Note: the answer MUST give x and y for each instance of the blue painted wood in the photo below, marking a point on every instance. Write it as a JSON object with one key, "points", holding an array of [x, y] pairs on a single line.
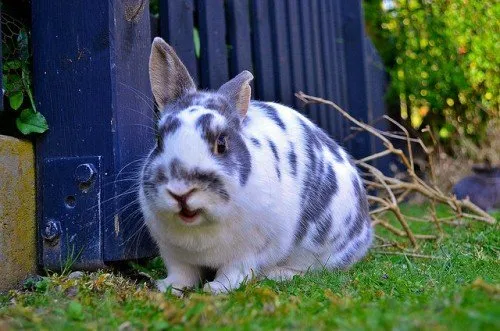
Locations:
{"points": [[307, 56], [91, 83], [176, 28], [238, 29], [377, 85], [214, 63], [263, 51], [341, 75], [318, 62], [296, 54], [327, 60], [279, 27], [356, 79], [155, 26]]}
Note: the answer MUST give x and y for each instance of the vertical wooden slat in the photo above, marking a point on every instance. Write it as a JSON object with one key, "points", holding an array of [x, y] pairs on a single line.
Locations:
{"points": [[376, 86], [279, 23], [214, 62], [318, 61], [308, 59], [342, 124], [176, 26], [333, 79], [328, 61], [155, 26], [296, 54], [357, 94], [238, 29], [263, 51]]}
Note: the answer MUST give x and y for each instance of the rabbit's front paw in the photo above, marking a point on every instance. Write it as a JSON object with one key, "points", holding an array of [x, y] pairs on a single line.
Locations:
{"points": [[217, 287], [177, 286]]}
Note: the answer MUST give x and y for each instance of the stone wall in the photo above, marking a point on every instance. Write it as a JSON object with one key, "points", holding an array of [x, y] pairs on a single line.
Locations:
{"points": [[17, 212]]}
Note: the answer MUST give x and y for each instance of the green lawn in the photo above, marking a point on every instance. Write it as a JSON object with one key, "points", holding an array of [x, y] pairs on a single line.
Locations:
{"points": [[459, 289]]}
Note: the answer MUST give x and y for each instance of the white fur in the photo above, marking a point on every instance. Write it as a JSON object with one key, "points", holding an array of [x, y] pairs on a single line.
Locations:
{"points": [[253, 233]]}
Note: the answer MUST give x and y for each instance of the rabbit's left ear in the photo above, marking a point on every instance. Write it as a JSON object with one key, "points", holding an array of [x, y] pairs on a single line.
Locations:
{"points": [[238, 91]]}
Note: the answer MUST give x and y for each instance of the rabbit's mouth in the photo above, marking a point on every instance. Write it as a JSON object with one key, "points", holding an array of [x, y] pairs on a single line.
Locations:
{"points": [[188, 215]]}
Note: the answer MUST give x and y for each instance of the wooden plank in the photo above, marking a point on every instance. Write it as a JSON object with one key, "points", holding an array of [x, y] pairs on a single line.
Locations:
{"points": [[176, 27], [341, 75], [377, 82], [155, 26], [90, 78], [263, 51], [214, 57], [318, 61], [357, 94], [331, 75], [308, 58], [296, 54], [279, 21], [238, 29], [327, 65]]}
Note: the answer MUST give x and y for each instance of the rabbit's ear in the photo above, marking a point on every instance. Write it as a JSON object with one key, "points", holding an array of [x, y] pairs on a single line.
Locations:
{"points": [[169, 78], [238, 91]]}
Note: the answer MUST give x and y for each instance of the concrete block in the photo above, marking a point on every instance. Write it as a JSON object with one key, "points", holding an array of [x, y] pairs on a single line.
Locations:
{"points": [[17, 212]]}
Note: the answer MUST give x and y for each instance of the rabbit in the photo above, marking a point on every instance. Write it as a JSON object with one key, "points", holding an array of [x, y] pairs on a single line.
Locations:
{"points": [[245, 188], [482, 188]]}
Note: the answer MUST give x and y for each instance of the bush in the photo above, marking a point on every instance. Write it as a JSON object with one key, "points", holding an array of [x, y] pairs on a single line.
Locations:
{"points": [[442, 57]]}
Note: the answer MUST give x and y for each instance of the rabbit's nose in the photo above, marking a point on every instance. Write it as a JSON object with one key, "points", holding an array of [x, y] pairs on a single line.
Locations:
{"points": [[181, 198]]}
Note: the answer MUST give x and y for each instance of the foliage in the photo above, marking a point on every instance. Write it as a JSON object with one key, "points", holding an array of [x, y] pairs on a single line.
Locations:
{"points": [[17, 78], [442, 56], [458, 289]]}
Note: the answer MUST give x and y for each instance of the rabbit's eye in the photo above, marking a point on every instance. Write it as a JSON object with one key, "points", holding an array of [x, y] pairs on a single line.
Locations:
{"points": [[220, 146]]}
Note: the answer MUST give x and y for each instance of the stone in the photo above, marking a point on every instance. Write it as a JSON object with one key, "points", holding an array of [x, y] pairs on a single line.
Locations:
{"points": [[75, 275], [17, 212]]}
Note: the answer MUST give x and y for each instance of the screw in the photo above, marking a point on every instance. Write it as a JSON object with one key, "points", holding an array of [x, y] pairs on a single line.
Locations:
{"points": [[85, 173], [52, 231]]}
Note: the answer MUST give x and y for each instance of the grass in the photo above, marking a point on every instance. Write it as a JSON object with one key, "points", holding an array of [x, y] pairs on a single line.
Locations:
{"points": [[459, 289]]}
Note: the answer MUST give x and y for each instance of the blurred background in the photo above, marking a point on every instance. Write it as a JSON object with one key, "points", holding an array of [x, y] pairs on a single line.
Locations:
{"points": [[443, 60]]}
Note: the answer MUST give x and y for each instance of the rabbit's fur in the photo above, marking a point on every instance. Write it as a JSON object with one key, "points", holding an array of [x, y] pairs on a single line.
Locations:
{"points": [[243, 187], [482, 188]]}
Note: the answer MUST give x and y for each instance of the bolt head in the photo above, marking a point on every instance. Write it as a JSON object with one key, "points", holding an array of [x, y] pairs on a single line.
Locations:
{"points": [[85, 173], [52, 230]]}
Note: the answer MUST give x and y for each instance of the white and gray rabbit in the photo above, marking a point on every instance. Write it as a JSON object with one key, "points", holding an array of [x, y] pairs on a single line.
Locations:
{"points": [[247, 188]]}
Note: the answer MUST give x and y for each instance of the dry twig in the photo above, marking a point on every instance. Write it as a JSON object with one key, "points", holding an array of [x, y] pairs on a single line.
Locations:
{"points": [[392, 191]]}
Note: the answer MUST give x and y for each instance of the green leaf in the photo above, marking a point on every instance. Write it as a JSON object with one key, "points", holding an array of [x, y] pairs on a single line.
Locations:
{"points": [[16, 100], [13, 64], [30, 121]]}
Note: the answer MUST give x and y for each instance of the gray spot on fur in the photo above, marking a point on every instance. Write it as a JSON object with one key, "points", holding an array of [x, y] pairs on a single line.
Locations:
{"points": [[210, 180], [292, 160], [255, 141], [170, 125], [274, 149], [272, 113], [361, 218], [320, 185], [323, 227]]}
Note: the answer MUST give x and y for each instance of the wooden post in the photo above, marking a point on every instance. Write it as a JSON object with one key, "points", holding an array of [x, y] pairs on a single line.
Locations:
{"points": [[91, 83]]}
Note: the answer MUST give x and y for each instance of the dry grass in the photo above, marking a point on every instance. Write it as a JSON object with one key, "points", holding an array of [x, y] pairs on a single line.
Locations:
{"points": [[450, 169]]}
